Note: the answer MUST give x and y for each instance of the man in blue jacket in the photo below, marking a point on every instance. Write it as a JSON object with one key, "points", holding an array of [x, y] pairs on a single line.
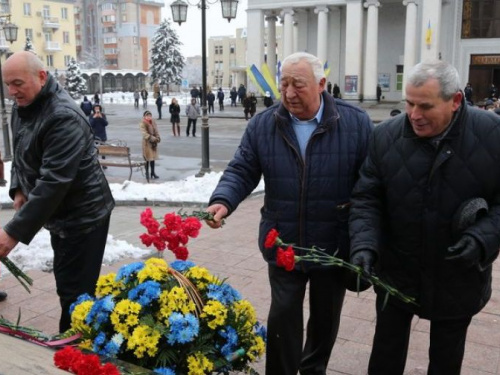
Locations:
{"points": [[309, 150]]}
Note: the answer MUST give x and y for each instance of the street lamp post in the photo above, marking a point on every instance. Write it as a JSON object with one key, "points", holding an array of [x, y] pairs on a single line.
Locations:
{"points": [[10, 31], [179, 14]]}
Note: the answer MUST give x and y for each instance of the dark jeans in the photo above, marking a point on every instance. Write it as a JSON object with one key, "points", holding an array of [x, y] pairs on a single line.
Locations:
{"points": [[77, 263], [191, 121], [285, 354], [392, 335], [210, 107], [159, 111]]}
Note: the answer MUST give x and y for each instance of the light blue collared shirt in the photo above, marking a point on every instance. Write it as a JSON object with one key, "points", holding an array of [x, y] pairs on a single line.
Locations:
{"points": [[304, 129]]}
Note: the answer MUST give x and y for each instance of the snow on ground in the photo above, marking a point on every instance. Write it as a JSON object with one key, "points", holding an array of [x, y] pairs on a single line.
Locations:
{"points": [[191, 189]]}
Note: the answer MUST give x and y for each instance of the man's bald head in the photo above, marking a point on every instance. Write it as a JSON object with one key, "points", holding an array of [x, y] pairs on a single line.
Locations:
{"points": [[25, 75]]}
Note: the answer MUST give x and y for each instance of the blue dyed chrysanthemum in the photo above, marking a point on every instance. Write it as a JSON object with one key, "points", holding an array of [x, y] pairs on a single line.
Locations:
{"points": [[183, 328], [99, 314], [80, 299], [164, 371], [127, 270], [224, 293], [145, 293], [181, 265], [231, 336]]}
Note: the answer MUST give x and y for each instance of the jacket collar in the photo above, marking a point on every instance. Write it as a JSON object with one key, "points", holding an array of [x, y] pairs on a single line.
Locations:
{"points": [[31, 110]]}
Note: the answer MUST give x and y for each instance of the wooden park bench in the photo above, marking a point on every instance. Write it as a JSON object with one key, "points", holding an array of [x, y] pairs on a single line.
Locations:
{"points": [[117, 154]]}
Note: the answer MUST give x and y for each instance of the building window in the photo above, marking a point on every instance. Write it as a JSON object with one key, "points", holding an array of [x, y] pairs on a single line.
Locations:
{"points": [[27, 9], [28, 33], [481, 19], [67, 59], [110, 40], [109, 18], [46, 11], [218, 50], [134, 39], [232, 48], [107, 6], [124, 18], [64, 13], [399, 77], [50, 60], [66, 37]]}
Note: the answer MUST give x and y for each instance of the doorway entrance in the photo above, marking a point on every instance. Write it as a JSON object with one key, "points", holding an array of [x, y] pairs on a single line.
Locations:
{"points": [[483, 71]]}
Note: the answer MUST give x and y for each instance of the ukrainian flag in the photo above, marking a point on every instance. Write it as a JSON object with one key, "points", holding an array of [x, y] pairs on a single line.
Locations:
{"points": [[261, 82], [266, 73], [428, 35], [326, 68]]}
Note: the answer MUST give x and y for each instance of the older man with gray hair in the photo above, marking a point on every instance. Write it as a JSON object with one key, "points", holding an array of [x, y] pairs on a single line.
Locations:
{"points": [[426, 215]]}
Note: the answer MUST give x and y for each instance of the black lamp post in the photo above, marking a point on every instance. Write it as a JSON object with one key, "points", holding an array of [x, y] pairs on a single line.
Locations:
{"points": [[179, 14], [10, 31]]}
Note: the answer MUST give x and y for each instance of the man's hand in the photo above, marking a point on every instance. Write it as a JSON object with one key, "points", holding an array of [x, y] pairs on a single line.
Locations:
{"points": [[19, 200], [219, 211], [467, 252], [364, 259], [7, 243]]}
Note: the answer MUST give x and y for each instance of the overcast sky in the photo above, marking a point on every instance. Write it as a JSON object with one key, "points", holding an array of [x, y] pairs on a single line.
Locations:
{"points": [[190, 31]]}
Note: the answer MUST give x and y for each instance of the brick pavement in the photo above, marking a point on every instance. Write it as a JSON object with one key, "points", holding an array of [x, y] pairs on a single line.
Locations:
{"points": [[231, 252]]}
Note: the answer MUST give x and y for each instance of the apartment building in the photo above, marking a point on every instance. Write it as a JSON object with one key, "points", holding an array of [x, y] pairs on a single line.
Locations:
{"points": [[50, 26]]}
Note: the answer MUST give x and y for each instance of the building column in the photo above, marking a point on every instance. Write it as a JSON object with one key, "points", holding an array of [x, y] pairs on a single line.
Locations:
{"points": [[410, 37], [322, 45], [431, 16], [295, 36], [287, 14], [271, 44], [353, 49], [255, 41], [370, 75]]}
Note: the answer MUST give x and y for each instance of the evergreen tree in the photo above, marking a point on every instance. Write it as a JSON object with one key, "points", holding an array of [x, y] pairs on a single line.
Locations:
{"points": [[29, 46], [166, 59], [75, 83]]}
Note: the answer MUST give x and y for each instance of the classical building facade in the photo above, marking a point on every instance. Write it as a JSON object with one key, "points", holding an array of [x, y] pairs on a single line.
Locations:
{"points": [[370, 42]]}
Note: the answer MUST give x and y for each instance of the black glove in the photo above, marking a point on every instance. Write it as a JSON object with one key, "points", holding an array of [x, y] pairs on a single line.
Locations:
{"points": [[364, 259], [467, 252]]}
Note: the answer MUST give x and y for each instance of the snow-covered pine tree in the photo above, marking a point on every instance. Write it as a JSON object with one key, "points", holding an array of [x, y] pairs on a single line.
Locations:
{"points": [[166, 59], [29, 46], [75, 83]]}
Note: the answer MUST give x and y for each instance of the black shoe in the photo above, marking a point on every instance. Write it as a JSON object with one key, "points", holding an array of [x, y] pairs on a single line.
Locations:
{"points": [[154, 177], [194, 135], [187, 135], [3, 296]]}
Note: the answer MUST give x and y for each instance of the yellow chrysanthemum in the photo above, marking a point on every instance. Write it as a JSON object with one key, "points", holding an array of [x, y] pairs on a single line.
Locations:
{"points": [[201, 277], [175, 299], [154, 269], [245, 312], [198, 364], [257, 350], [79, 315], [86, 345], [125, 316], [215, 313], [107, 285], [144, 340]]}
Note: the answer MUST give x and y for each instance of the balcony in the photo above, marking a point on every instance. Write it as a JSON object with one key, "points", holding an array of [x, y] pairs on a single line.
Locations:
{"points": [[51, 23], [51, 46]]}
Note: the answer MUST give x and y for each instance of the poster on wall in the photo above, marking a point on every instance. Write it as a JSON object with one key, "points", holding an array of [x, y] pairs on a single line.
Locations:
{"points": [[351, 84], [384, 80]]}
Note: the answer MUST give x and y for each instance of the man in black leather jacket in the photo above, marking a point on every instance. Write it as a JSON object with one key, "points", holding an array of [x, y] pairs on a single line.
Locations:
{"points": [[56, 180]]}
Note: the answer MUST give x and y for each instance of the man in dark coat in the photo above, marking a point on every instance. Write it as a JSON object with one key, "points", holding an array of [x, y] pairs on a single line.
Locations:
{"points": [[56, 181], [309, 150], [421, 168]]}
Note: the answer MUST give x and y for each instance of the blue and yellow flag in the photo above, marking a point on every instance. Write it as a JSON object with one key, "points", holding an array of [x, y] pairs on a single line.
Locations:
{"points": [[270, 81], [261, 82], [428, 35], [326, 68]]}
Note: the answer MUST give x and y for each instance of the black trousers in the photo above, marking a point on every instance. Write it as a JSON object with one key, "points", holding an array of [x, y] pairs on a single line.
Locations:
{"points": [[159, 111], [286, 354], [392, 335], [191, 121], [77, 263]]}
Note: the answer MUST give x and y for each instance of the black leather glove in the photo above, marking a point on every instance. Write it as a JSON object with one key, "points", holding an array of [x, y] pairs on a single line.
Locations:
{"points": [[364, 259], [467, 252]]}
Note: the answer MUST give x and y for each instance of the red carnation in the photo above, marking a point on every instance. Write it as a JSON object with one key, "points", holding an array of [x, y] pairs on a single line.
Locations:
{"points": [[191, 226], [181, 253], [182, 237], [146, 215], [109, 369], [159, 243], [65, 357], [172, 221], [272, 239], [146, 239], [286, 258]]}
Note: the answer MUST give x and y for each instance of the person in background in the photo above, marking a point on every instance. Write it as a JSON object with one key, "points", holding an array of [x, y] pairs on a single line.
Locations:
{"points": [[195, 93], [468, 93], [144, 96], [308, 151], [159, 104], [329, 87], [336, 91], [86, 106], [150, 140], [250, 105], [379, 93], [493, 92], [242, 93], [192, 113], [210, 101], [175, 111], [220, 97], [56, 181], [136, 99], [96, 98], [268, 101], [425, 213], [233, 95], [98, 122]]}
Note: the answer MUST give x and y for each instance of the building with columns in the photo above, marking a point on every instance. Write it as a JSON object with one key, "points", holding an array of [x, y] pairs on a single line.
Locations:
{"points": [[370, 42]]}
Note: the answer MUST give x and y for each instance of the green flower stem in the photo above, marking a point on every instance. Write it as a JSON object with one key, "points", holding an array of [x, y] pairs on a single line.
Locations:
{"points": [[200, 215], [18, 273], [319, 256]]}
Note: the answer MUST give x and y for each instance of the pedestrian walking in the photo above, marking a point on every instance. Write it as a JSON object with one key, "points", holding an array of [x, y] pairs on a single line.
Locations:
{"points": [[86, 106], [210, 101], [159, 104], [150, 140], [144, 96], [220, 97], [136, 99], [192, 113], [175, 111], [233, 94]]}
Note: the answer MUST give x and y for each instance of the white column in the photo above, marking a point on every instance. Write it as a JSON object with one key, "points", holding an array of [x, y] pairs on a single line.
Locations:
{"points": [[353, 47], [410, 38], [271, 44], [322, 46], [287, 15], [370, 75], [431, 14], [295, 36], [255, 41]]}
